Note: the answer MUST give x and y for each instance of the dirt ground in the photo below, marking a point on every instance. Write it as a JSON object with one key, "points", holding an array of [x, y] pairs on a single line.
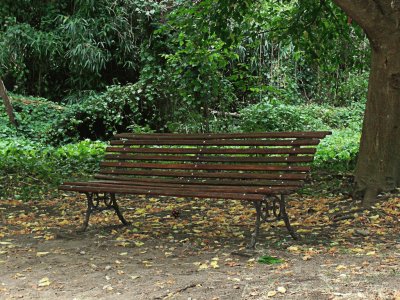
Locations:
{"points": [[195, 249]]}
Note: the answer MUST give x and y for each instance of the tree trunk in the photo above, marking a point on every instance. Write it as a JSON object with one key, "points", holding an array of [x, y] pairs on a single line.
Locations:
{"points": [[7, 104], [378, 165]]}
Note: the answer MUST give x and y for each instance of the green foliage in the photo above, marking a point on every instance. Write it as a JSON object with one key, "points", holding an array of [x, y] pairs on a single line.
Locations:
{"points": [[269, 260], [99, 116], [72, 46], [178, 66], [35, 116], [277, 116], [27, 167], [339, 151]]}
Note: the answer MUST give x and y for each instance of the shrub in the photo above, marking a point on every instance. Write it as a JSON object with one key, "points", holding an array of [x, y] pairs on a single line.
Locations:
{"points": [[99, 116], [277, 116], [28, 167], [35, 116], [339, 151]]}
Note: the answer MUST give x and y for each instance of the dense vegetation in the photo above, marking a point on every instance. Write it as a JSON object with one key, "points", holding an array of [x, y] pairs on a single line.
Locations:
{"points": [[105, 66]]}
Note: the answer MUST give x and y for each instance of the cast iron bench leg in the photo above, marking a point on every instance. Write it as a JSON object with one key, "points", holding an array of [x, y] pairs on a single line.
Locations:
{"points": [[255, 234], [109, 203], [89, 210], [116, 209], [285, 217]]}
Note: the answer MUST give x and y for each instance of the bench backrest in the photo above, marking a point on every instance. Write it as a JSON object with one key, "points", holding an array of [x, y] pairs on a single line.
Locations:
{"points": [[248, 159]]}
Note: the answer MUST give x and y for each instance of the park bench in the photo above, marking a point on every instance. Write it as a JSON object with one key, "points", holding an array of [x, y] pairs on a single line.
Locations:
{"points": [[258, 167]]}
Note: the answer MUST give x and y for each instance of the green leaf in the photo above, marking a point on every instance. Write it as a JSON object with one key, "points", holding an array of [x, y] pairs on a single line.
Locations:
{"points": [[269, 260]]}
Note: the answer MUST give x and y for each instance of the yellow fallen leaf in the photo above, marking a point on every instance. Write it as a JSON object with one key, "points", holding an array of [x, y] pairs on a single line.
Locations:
{"points": [[281, 289], [341, 267], [108, 287], [214, 264], [357, 250], [306, 257], [271, 293], [39, 254], [303, 230], [293, 249], [203, 267], [139, 244], [371, 253], [44, 282], [140, 211], [63, 222]]}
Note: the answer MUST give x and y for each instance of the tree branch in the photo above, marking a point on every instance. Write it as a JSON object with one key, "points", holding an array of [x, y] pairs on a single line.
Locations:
{"points": [[372, 15], [7, 104]]}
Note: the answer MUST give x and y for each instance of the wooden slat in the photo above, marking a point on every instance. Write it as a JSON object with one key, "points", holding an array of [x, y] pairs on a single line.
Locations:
{"points": [[205, 136], [217, 167], [185, 187], [167, 192], [236, 175], [244, 151], [233, 159], [146, 181], [176, 142]]}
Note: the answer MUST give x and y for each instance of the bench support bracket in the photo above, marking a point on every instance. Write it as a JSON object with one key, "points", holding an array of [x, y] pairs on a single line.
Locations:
{"points": [[271, 209], [97, 202]]}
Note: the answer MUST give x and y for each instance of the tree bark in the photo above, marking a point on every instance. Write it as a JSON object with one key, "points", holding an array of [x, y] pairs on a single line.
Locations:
{"points": [[378, 165], [7, 104]]}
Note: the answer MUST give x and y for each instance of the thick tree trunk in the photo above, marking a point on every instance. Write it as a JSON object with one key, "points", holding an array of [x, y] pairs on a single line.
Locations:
{"points": [[378, 165]]}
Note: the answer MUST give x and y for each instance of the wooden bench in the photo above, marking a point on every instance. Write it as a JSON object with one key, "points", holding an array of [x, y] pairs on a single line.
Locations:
{"points": [[257, 167]]}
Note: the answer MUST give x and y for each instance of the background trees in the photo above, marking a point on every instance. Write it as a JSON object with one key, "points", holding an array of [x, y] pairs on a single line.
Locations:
{"points": [[185, 66]]}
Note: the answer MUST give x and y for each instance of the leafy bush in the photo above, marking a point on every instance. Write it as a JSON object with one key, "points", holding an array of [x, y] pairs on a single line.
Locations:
{"points": [[277, 116], [35, 116], [339, 151], [27, 166], [99, 116]]}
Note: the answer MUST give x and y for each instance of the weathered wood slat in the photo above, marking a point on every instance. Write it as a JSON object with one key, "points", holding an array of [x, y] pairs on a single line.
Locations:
{"points": [[231, 159], [199, 182], [257, 135], [190, 166], [166, 192], [194, 174], [176, 142], [185, 187], [243, 151]]}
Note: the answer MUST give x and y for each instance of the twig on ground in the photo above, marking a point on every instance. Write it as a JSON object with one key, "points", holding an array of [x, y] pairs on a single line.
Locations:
{"points": [[171, 294]]}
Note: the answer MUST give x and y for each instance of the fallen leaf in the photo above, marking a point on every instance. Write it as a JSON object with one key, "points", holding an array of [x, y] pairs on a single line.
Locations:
{"points": [[293, 249], [39, 254], [139, 244], [44, 282], [281, 289], [271, 293], [203, 267], [269, 260], [214, 264], [341, 267]]}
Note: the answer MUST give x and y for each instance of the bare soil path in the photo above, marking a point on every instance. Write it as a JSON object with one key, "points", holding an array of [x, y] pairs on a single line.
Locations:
{"points": [[194, 249]]}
